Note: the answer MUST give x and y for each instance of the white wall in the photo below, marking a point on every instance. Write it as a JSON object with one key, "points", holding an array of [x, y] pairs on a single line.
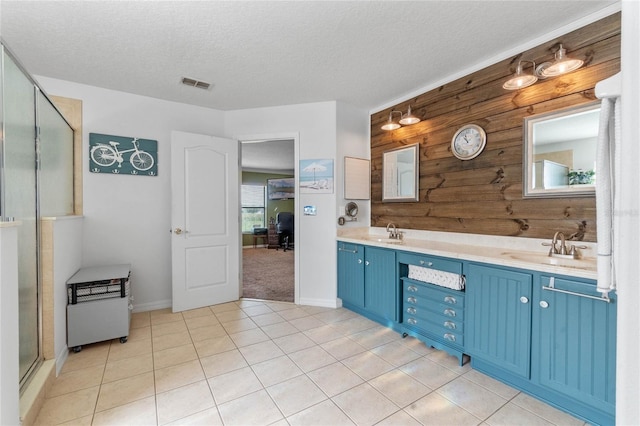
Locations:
{"points": [[9, 362], [352, 141], [315, 127], [67, 259], [127, 218], [627, 372]]}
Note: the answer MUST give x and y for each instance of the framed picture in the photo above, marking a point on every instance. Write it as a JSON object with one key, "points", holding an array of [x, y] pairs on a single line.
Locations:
{"points": [[281, 189], [316, 176], [122, 155]]}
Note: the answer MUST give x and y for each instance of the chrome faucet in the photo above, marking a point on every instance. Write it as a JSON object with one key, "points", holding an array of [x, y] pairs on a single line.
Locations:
{"points": [[394, 234]]}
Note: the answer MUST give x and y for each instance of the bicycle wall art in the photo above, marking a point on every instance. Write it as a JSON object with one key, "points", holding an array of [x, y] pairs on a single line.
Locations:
{"points": [[120, 155]]}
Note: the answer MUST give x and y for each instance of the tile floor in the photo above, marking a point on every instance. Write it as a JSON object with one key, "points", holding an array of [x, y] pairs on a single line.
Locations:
{"points": [[259, 363]]}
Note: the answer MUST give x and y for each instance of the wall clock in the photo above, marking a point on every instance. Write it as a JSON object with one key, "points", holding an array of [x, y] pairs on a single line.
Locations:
{"points": [[468, 142]]}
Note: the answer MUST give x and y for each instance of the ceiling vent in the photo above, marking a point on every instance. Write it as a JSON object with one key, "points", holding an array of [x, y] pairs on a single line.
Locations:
{"points": [[195, 83]]}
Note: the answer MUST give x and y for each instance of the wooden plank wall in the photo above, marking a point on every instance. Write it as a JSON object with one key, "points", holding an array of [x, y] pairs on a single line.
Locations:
{"points": [[484, 195]]}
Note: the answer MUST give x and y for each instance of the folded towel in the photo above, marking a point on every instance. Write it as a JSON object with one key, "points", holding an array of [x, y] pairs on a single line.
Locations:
{"points": [[433, 276]]}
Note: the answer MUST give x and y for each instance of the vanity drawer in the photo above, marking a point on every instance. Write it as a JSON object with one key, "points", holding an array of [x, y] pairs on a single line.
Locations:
{"points": [[437, 319], [433, 292], [448, 334], [434, 307], [432, 262]]}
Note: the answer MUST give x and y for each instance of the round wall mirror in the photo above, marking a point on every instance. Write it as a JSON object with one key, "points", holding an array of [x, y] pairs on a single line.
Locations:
{"points": [[351, 209]]}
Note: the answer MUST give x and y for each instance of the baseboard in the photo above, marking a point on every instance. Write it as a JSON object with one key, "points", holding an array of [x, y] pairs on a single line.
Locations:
{"points": [[61, 358], [325, 303], [152, 306]]}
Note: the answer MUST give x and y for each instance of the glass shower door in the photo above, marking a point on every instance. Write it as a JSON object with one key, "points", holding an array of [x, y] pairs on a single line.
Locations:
{"points": [[19, 201]]}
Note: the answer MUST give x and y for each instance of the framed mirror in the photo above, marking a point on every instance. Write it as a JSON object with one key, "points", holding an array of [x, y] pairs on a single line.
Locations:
{"points": [[400, 173], [560, 152]]}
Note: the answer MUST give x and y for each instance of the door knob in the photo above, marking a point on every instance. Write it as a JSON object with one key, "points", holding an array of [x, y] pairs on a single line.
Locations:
{"points": [[178, 231]]}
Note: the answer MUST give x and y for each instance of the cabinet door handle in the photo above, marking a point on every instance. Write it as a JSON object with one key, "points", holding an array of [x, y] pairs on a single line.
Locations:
{"points": [[411, 310], [450, 325], [544, 304], [450, 337], [411, 299], [366, 262], [450, 299], [412, 321], [359, 261], [449, 312], [524, 299], [412, 289], [422, 262]]}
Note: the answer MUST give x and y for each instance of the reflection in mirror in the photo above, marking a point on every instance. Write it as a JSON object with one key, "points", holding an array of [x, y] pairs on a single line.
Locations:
{"points": [[400, 170], [560, 152]]}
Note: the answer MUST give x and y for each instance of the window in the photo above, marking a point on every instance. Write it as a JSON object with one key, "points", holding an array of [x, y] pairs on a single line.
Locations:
{"points": [[253, 207]]}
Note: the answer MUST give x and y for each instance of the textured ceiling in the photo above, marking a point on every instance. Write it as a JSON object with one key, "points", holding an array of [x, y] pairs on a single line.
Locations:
{"points": [[267, 53]]}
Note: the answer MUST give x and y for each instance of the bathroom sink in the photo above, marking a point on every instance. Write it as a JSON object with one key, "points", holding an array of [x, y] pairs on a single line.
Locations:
{"points": [[384, 240], [544, 258]]}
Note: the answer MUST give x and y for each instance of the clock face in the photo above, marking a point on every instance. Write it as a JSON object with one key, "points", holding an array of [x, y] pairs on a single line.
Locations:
{"points": [[468, 142]]}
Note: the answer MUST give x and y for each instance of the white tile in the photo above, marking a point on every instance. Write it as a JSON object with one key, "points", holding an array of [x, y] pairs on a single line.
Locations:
{"points": [[276, 370], [505, 391], [208, 417], [260, 352], [376, 408], [254, 409], [477, 400], [295, 395], [399, 418], [395, 353], [428, 373], [367, 365], [335, 378], [141, 412], [229, 386], [255, 310], [511, 414], [324, 413], [249, 337], [342, 348], [312, 358], [279, 329], [545, 411], [322, 334], [376, 336], [222, 363], [237, 326], [184, 401], [294, 313], [294, 342], [267, 319], [399, 388], [306, 323], [434, 409]]}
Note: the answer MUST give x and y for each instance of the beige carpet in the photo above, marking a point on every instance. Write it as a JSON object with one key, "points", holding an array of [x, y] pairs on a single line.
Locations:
{"points": [[267, 274]]}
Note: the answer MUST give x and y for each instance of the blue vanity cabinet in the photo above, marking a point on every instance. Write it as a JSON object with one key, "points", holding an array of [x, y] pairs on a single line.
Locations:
{"points": [[351, 274], [367, 281], [498, 319], [574, 350]]}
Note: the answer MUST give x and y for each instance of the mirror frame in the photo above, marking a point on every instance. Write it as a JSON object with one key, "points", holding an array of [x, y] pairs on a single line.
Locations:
{"points": [[528, 191], [387, 161]]}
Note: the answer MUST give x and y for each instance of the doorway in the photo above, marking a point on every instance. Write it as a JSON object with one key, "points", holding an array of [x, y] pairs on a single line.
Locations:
{"points": [[268, 197]]}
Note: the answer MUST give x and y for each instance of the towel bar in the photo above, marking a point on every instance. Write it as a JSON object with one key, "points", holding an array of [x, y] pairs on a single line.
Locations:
{"points": [[601, 298]]}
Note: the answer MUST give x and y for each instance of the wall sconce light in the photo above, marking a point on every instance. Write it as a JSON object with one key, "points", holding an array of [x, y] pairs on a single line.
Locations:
{"points": [[405, 120], [521, 79], [561, 65]]}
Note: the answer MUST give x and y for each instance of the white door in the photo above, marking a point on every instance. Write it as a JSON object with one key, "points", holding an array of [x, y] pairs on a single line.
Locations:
{"points": [[205, 228]]}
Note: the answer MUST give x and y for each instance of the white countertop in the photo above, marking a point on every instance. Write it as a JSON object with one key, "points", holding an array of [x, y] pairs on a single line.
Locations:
{"points": [[525, 253]]}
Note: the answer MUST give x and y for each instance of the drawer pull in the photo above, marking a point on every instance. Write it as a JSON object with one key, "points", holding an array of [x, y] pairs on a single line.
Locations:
{"points": [[412, 321], [450, 325], [412, 299], [411, 310], [450, 337], [449, 312], [450, 299], [422, 262], [412, 289]]}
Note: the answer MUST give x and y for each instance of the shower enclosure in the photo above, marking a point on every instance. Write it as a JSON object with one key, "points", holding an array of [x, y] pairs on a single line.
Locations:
{"points": [[36, 179]]}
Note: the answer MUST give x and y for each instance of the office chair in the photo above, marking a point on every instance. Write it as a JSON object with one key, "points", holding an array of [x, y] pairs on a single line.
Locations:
{"points": [[284, 228]]}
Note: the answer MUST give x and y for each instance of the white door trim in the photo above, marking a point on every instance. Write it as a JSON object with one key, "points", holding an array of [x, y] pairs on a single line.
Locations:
{"points": [[296, 217]]}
